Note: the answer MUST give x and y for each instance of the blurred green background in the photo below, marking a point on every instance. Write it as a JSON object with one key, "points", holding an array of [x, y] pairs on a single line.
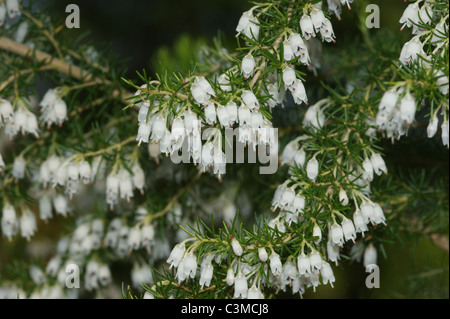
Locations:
{"points": [[160, 35]]}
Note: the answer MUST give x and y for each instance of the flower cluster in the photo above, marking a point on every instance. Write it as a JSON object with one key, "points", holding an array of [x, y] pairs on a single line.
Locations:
{"points": [[12, 223], [397, 107], [120, 182], [18, 119], [53, 109]]}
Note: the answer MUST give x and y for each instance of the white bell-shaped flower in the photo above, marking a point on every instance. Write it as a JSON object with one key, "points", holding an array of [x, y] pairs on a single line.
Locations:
{"points": [[248, 65], [6, 111], [143, 134], [298, 92], [224, 82], [275, 264], [410, 16], [315, 261], [289, 77], [360, 222], [307, 27], [9, 221], [349, 230], [327, 274], [378, 164], [288, 53], [249, 99], [248, 25], [304, 265], [337, 234], [210, 113], [240, 286], [232, 111]]}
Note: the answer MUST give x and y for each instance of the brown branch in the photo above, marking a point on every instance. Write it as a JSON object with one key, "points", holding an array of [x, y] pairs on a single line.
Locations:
{"points": [[59, 65]]}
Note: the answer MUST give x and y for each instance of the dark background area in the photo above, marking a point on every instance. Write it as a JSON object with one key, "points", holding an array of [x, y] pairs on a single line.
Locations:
{"points": [[135, 29]]}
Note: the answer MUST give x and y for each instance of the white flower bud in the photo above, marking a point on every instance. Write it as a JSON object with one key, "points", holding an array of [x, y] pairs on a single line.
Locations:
{"points": [[45, 208], [317, 232], [343, 198], [237, 248], [230, 276], [370, 255], [262, 254], [312, 169], [19, 166], [408, 108]]}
